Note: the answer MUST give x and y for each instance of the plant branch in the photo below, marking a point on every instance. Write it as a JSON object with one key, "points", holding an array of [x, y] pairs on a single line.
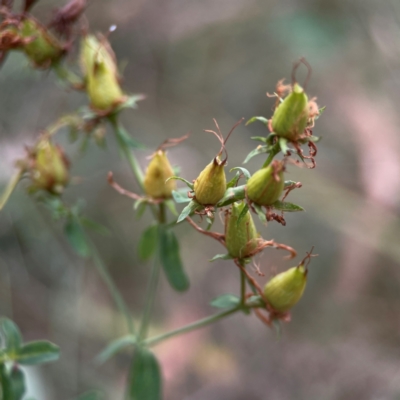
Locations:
{"points": [[187, 328]]}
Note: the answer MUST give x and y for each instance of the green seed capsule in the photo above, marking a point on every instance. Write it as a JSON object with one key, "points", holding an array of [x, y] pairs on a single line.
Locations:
{"points": [[241, 239], [49, 170], [291, 116], [98, 64], [284, 290], [266, 185], [45, 49], [158, 171], [210, 185]]}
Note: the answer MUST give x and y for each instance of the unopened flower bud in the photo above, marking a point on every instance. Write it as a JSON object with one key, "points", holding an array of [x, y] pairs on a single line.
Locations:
{"points": [[266, 185], [291, 116], [284, 290], [98, 64], [241, 239], [42, 48], [210, 185], [158, 171], [49, 167]]}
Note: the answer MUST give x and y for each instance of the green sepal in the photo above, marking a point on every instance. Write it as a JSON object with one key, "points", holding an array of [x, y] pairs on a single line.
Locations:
{"points": [[178, 178], [260, 119], [221, 257], [289, 183], [225, 301], [114, 347], [242, 214], [171, 261], [39, 352], [231, 195], [180, 197], [283, 145], [145, 377], [188, 210], [148, 242], [287, 207]]}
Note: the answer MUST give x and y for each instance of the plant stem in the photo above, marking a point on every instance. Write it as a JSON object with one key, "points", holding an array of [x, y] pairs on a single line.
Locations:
{"points": [[120, 133], [275, 150], [242, 288], [115, 293], [187, 328], [10, 188]]}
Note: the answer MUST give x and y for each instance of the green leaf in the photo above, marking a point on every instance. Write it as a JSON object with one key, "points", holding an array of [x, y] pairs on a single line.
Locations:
{"points": [[76, 236], [259, 138], [221, 257], [285, 206], [225, 301], [260, 212], [17, 380], [244, 171], [254, 119], [114, 347], [231, 195], [188, 210], [6, 385], [11, 335], [171, 261], [38, 352], [180, 197], [148, 243], [178, 178], [145, 377], [255, 152], [233, 181]]}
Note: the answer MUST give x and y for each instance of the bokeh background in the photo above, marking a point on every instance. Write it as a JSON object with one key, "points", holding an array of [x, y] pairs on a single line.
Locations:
{"points": [[198, 60]]}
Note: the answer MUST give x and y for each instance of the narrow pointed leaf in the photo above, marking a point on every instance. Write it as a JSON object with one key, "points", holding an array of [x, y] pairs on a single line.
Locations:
{"points": [[283, 145], [260, 119], [188, 210], [242, 214], [255, 152], [259, 138], [38, 352], [171, 261], [260, 212], [233, 181], [145, 377], [114, 347], [285, 206], [232, 195], [11, 335], [178, 178], [180, 197], [148, 243], [225, 301], [244, 171]]}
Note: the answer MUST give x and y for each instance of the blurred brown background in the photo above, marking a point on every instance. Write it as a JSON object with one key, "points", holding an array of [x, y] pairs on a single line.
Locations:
{"points": [[196, 60]]}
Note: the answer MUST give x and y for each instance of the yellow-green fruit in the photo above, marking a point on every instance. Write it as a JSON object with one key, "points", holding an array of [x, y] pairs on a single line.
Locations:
{"points": [[50, 168], [45, 49], [241, 239], [158, 171], [210, 185], [263, 188], [291, 116], [284, 290], [98, 65]]}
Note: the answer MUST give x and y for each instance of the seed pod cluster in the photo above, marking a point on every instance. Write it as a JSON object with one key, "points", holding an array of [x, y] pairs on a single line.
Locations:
{"points": [[241, 238], [158, 171]]}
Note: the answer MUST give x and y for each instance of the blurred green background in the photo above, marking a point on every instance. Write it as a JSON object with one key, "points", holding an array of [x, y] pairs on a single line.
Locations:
{"points": [[198, 60]]}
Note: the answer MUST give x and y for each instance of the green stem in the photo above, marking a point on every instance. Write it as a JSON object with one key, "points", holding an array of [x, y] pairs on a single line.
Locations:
{"points": [[115, 293], [120, 133], [242, 288], [275, 150], [10, 188], [66, 75], [187, 328]]}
